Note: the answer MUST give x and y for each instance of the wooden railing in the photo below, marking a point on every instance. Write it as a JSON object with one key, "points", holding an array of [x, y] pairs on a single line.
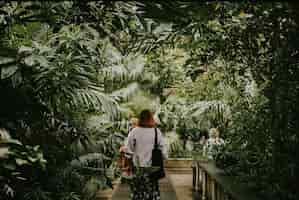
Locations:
{"points": [[211, 183]]}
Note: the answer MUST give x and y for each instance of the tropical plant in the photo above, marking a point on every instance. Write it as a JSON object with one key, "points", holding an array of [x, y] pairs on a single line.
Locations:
{"points": [[66, 71], [15, 160], [66, 66], [176, 150]]}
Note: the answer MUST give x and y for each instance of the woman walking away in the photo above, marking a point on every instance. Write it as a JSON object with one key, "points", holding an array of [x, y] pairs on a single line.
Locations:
{"points": [[141, 141]]}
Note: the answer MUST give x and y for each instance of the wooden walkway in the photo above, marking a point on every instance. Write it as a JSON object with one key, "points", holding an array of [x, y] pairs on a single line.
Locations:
{"points": [[122, 191]]}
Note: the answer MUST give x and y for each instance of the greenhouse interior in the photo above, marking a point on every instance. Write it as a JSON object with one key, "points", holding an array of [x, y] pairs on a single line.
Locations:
{"points": [[92, 92]]}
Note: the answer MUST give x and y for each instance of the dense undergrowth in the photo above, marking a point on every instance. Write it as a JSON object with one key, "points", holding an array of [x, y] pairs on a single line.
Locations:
{"points": [[73, 73]]}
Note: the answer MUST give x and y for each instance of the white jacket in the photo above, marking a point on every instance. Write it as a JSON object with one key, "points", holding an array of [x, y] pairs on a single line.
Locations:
{"points": [[141, 143]]}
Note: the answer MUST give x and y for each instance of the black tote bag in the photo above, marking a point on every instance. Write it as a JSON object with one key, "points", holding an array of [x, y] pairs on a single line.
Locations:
{"points": [[157, 160]]}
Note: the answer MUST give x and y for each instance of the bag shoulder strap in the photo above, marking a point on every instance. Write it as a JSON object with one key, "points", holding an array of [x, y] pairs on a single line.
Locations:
{"points": [[156, 139]]}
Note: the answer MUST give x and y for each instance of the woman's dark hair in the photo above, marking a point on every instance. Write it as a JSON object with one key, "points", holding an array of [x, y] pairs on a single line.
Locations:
{"points": [[146, 119]]}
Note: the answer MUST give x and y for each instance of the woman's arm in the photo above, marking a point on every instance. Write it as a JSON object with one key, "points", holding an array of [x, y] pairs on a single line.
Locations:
{"points": [[130, 143], [162, 144]]}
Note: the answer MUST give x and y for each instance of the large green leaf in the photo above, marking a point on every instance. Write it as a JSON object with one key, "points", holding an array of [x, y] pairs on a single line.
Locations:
{"points": [[7, 72]]}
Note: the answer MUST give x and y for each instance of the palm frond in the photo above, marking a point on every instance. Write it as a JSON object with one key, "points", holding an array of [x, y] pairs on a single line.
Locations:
{"points": [[90, 163], [202, 107], [93, 97], [125, 93], [70, 196], [119, 67], [217, 113], [64, 71], [135, 64], [103, 123]]}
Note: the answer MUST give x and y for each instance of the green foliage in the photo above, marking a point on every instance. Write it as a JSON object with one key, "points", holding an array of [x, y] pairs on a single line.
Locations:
{"points": [[66, 66], [177, 112], [62, 73], [70, 196], [165, 65], [140, 101], [244, 149], [67, 59], [241, 54], [16, 158], [176, 150], [38, 193]]}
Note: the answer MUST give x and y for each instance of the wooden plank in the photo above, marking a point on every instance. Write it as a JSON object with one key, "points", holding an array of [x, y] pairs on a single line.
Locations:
{"points": [[122, 192]]}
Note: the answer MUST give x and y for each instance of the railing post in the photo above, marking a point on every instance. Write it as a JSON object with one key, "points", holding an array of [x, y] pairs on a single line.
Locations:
{"points": [[204, 184], [194, 175], [213, 190], [199, 178], [209, 187], [218, 192]]}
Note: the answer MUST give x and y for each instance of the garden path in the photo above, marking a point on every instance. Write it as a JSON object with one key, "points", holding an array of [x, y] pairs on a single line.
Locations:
{"points": [[122, 191], [177, 185]]}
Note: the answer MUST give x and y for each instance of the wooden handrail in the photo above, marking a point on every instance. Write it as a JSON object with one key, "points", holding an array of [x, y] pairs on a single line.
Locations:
{"points": [[213, 184]]}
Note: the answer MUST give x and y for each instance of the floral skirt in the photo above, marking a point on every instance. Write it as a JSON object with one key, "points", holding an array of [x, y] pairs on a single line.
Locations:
{"points": [[143, 188]]}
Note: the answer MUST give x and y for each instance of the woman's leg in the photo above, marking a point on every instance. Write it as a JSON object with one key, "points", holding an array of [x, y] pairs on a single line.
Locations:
{"points": [[155, 190], [143, 188]]}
